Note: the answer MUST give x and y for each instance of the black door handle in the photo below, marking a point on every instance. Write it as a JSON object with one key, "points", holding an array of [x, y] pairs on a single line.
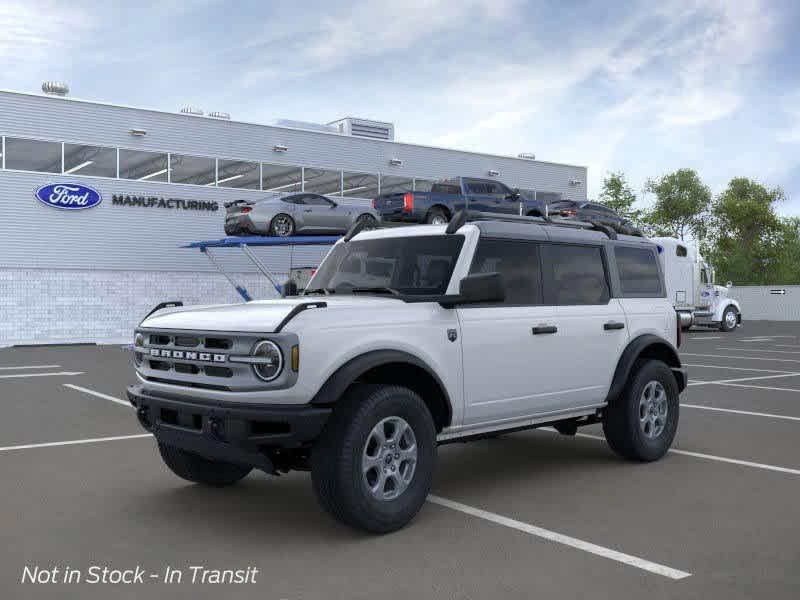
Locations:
{"points": [[613, 325], [539, 329]]}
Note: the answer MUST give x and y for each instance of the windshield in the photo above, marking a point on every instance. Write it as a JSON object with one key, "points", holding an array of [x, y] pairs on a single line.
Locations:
{"points": [[399, 265]]}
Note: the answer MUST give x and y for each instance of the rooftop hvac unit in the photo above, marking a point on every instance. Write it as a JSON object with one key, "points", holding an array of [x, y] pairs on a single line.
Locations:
{"points": [[291, 123], [527, 155], [217, 114], [192, 110], [376, 130], [55, 88]]}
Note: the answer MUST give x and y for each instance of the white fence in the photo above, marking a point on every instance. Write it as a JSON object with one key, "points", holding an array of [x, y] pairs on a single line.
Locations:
{"points": [[768, 302]]}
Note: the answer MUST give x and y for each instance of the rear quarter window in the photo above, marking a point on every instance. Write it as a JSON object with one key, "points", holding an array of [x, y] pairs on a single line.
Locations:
{"points": [[638, 272]]}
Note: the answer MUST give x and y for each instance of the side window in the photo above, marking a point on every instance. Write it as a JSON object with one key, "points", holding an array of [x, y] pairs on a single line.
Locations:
{"points": [[316, 201], [680, 251], [476, 188], [578, 274], [638, 272], [703, 276], [294, 199], [518, 263]]}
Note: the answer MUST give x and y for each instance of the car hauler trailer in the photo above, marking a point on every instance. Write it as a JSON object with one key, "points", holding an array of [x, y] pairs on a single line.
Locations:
{"points": [[691, 287]]}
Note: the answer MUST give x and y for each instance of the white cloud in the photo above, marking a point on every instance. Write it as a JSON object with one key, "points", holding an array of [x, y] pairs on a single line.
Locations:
{"points": [[31, 34]]}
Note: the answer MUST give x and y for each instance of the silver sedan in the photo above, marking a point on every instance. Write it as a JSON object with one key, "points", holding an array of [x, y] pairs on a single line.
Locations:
{"points": [[285, 215]]}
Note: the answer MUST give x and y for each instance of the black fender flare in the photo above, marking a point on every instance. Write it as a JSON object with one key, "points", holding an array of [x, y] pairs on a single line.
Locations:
{"points": [[349, 372], [653, 346]]}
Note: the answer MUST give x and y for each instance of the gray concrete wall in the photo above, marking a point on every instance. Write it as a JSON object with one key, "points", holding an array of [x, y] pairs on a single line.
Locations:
{"points": [[765, 303]]}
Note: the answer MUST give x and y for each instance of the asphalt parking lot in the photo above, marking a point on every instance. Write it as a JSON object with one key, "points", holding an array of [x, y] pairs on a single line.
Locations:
{"points": [[531, 514]]}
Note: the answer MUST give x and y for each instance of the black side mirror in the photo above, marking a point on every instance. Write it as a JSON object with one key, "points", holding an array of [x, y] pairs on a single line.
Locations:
{"points": [[289, 288], [482, 287], [514, 195], [333, 204]]}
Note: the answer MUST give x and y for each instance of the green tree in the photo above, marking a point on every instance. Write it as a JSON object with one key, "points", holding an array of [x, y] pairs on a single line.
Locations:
{"points": [[618, 196], [749, 242], [681, 205]]}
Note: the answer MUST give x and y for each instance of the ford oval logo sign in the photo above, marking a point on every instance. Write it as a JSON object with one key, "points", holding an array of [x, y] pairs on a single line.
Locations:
{"points": [[68, 196]]}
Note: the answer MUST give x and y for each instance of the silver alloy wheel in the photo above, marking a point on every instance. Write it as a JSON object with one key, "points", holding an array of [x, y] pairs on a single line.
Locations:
{"points": [[653, 409], [389, 458], [730, 319], [438, 220], [282, 226]]}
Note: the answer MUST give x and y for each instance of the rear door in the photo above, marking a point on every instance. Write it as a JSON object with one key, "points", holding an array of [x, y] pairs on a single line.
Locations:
{"points": [[592, 330], [511, 370]]}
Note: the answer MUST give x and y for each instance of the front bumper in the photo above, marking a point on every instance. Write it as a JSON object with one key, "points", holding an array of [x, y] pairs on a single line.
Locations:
{"points": [[242, 434]]}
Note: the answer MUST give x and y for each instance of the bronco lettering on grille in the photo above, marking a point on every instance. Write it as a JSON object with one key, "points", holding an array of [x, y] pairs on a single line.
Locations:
{"points": [[182, 354]]}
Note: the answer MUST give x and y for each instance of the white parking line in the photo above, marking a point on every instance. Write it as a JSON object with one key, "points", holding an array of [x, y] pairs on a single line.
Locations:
{"points": [[723, 459], [760, 387], [740, 412], [18, 375], [738, 368], [721, 381], [700, 337], [30, 367], [98, 394], [552, 536], [791, 360], [756, 340], [760, 350], [75, 442], [786, 345]]}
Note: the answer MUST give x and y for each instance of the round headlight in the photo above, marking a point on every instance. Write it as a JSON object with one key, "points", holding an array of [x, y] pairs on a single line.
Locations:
{"points": [[138, 342], [272, 364]]}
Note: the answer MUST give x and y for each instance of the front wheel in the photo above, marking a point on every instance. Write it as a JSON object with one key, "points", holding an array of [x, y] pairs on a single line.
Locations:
{"points": [[197, 469], [641, 423], [372, 467], [730, 319]]}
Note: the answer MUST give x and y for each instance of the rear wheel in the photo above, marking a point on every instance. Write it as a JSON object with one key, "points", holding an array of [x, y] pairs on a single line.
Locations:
{"points": [[730, 319], [197, 469], [281, 225], [367, 219], [641, 423], [437, 216], [373, 466]]}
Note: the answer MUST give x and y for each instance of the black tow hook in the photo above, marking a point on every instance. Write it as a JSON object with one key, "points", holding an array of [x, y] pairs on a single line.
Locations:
{"points": [[143, 414], [216, 428]]}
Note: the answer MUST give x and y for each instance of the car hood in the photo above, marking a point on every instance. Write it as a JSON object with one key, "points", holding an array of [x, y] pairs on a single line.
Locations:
{"points": [[260, 316]]}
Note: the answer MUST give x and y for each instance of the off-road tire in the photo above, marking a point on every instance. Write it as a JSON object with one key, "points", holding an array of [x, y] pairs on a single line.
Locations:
{"points": [[723, 326], [436, 214], [198, 469], [621, 423], [336, 471]]}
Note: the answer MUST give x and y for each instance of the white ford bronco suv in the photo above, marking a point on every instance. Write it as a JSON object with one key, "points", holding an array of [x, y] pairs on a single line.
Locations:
{"points": [[410, 337]]}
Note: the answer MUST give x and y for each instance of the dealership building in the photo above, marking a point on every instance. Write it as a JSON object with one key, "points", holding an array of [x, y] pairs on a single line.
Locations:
{"points": [[161, 178]]}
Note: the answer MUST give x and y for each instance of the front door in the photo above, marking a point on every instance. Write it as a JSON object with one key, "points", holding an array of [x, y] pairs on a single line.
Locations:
{"points": [[510, 367]]}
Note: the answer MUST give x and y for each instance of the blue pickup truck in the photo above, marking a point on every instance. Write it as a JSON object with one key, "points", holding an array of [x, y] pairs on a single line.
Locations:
{"points": [[451, 195]]}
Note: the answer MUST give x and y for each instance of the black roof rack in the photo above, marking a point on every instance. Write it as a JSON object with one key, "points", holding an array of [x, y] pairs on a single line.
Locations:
{"points": [[465, 216]]}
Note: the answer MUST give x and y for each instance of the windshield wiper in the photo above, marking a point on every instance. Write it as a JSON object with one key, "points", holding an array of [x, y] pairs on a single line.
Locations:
{"points": [[323, 291], [375, 290]]}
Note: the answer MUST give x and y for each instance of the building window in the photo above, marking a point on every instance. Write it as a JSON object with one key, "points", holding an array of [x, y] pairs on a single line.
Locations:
{"points": [[280, 178], [90, 160], [238, 174], [33, 155], [144, 166], [195, 170], [360, 185], [323, 181], [396, 185]]}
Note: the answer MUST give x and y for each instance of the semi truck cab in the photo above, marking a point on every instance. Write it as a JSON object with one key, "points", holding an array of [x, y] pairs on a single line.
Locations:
{"points": [[692, 289]]}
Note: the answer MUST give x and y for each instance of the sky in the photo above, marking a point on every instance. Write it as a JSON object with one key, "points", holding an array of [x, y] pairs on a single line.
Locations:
{"points": [[639, 87]]}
